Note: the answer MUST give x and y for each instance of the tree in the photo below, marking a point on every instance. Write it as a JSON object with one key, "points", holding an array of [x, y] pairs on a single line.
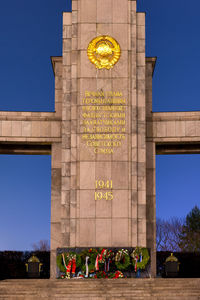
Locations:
{"points": [[167, 234], [42, 245], [190, 234]]}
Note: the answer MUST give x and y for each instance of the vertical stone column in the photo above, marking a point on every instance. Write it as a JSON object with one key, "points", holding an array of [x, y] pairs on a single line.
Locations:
{"points": [[55, 204], [104, 223], [74, 114], [58, 87], [138, 129], [150, 169], [56, 175], [134, 140], [66, 130], [141, 130]]}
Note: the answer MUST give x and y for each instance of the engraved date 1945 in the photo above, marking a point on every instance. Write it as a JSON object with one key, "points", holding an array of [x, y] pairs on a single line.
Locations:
{"points": [[103, 185]]}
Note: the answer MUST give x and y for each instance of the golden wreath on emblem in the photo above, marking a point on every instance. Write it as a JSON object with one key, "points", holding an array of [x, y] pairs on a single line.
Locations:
{"points": [[104, 52]]}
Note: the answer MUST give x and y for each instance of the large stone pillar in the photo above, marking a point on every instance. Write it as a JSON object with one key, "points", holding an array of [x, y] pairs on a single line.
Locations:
{"points": [[114, 168], [103, 186]]}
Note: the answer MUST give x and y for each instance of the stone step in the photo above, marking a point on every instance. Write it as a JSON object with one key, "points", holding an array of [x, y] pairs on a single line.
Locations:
{"points": [[96, 289], [96, 297], [132, 282], [99, 283]]}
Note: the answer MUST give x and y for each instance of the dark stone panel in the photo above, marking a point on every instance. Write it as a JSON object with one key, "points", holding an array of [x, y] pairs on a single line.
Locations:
{"points": [[25, 148]]}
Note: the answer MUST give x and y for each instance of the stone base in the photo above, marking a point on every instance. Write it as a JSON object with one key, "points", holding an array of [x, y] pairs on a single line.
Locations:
{"points": [[140, 289]]}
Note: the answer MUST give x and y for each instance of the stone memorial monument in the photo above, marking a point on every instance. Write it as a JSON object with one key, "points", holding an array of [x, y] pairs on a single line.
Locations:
{"points": [[103, 135], [103, 88]]}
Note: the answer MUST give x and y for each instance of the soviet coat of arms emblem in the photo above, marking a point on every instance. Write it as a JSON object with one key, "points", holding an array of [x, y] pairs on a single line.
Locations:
{"points": [[104, 52]]}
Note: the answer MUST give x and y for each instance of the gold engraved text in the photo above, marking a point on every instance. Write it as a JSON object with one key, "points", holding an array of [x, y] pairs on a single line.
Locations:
{"points": [[103, 120], [103, 185]]}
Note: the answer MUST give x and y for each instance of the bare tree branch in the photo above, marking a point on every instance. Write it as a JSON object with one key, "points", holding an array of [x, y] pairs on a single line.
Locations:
{"points": [[168, 234], [42, 245]]}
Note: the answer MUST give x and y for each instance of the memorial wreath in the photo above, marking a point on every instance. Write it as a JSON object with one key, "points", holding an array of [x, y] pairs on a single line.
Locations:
{"points": [[101, 262], [122, 259], [88, 258], [140, 258], [68, 262]]}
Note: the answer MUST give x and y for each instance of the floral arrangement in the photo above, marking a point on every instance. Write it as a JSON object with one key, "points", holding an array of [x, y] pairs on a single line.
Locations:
{"points": [[140, 258], [88, 258], [122, 259], [102, 262], [104, 257], [117, 274], [68, 262]]}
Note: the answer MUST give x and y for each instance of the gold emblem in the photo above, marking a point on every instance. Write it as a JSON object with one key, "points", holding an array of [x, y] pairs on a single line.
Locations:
{"points": [[104, 52]]}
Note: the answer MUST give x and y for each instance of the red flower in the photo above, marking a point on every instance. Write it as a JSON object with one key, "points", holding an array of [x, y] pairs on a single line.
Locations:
{"points": [[118, 274]]}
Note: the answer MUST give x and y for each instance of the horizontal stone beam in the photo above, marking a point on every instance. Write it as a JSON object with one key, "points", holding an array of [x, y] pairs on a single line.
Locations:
{"points": [[172, 127], [28, 115], [30, 130]]}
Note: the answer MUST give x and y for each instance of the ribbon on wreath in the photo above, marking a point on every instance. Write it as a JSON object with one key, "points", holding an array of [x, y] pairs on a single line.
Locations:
{"points": [[97, 263], [64, 262], [100, 258], [118, 256], [107, 265], [71, 265], [136, 261], [86, 265]]}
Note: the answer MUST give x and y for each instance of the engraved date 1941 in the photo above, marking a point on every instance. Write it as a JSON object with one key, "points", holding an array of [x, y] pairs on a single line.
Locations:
{"points": [[103, 185]]}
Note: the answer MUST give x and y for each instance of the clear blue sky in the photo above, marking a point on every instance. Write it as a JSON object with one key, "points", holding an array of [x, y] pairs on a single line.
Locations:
{"points": [[30, 32]]}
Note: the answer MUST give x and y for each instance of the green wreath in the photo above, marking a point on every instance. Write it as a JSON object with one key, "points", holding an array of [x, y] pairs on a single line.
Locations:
{"points": [[67, 255], [145, 257], [124, 262], [92, 253]]}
